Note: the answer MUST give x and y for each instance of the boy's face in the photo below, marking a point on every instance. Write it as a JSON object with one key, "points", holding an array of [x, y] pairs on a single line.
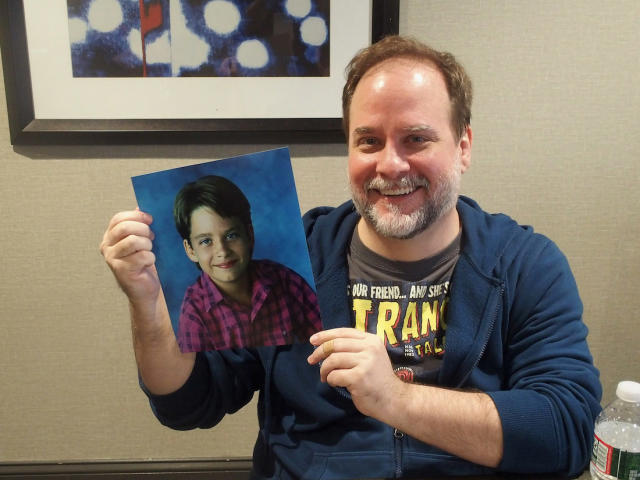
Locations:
{"points": [[222, 247]]}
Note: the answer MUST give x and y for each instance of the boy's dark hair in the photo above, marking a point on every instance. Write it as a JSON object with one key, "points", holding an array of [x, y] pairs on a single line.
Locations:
{"points": [[217, 193]]}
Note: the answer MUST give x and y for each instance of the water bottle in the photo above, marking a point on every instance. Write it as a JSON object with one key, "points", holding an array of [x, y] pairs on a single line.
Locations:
{"points": [[616, 443]]}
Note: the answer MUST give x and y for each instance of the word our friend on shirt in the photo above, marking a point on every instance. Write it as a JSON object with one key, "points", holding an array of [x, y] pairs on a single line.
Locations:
{"points": [[393, 292], [402, 313]]}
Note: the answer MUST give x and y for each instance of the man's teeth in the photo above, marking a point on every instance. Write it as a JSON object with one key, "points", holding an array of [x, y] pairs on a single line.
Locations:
{"points": [[396, 192]]}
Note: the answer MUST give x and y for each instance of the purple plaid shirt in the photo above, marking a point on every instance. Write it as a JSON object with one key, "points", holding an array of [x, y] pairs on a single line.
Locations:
{"points": [[284, 310]]}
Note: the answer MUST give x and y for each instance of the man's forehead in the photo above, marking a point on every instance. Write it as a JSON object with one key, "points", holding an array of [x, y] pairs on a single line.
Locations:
{"points": [[417, 66], [403, 75]]}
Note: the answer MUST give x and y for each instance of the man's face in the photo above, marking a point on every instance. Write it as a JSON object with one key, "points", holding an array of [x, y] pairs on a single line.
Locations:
{"points": [[221, 246], [405, 162]]}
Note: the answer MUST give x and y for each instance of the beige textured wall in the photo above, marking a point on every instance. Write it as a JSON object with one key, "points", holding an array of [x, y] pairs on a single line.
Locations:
{"points": [[557, 144]]}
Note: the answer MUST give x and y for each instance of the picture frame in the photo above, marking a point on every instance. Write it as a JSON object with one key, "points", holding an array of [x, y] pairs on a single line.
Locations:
{"points": [[28, 128]]}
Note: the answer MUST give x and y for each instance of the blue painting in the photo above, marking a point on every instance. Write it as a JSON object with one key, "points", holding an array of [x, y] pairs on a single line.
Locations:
{"points": [[211, 38]]}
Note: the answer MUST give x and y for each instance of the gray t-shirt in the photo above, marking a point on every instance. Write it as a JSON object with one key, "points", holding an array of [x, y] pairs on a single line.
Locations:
{"points": [[404, 303]]}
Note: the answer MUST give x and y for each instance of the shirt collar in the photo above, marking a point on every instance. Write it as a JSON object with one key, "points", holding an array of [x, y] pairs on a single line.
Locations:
{"points": [[213, 296]]}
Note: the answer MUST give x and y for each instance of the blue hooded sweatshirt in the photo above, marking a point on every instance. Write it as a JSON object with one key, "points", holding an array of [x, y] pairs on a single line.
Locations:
{"points": [[514, 331]]}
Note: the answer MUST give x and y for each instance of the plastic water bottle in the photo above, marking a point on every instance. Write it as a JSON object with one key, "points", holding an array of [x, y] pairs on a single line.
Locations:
{"points": [[616, 443]]}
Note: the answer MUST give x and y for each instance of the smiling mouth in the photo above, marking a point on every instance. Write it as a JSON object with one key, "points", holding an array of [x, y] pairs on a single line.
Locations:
{"points": [[396, 192], [226, 265], [400, 188]]}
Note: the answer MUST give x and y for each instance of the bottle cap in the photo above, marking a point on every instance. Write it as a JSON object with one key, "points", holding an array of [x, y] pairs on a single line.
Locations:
{"points": [[628, 391]]}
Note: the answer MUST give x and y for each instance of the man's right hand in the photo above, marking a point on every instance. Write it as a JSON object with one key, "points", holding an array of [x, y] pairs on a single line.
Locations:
{"points": [[126, 247]]}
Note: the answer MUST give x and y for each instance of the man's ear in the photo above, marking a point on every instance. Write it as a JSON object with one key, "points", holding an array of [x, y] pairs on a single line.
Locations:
{"points": [[465, 149], [188, 249]]}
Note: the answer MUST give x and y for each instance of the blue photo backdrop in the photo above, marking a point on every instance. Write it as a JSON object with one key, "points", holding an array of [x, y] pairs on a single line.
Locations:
{"points": [[266, 179]]}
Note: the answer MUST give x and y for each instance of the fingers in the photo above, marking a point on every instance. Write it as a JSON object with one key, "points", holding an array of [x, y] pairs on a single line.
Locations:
{"points": [[338, 363], [129, 240], [337, 340], [127, 248], [132, 244], [343, 358], [129, 232], [133, 215], [327, 348], [126, 244], [325, 335]]}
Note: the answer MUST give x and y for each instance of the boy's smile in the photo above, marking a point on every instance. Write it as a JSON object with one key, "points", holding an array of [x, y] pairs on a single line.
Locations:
{"points": [[222, 247], [226, 264]]}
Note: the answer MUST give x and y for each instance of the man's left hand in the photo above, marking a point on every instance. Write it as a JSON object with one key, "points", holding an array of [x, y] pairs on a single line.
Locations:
{"points": [[359, 362]]}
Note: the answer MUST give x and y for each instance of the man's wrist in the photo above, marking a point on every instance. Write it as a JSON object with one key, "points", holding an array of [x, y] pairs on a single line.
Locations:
{"points": [[399, 394], [150, 326]]}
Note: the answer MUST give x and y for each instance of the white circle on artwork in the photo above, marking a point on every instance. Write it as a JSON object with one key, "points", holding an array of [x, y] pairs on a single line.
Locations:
{"points": [[221, 16], [298, 8], [313, 31], [134, 42], [159, 50], [252, 54], [77, 30], [105, 15]]}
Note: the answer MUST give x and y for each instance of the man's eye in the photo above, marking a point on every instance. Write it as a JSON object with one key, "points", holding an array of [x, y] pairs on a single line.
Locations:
{"points": [[205, 242], [368, 141], [417, 139], [232, 235]]}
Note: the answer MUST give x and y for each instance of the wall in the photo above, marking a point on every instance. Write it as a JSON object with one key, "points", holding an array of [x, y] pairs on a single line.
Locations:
{"points": [[556, 145]]}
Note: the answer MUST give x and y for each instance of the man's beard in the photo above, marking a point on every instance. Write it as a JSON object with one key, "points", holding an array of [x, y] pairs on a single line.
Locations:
{"points": [[441, 198]]}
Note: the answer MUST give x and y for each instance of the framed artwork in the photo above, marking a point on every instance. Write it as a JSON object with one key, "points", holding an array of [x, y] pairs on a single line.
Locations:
{"points": [[182, 71]]}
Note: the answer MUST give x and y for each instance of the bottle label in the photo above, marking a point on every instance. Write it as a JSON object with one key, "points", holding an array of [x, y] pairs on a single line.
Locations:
{"points": [[615, 462]]}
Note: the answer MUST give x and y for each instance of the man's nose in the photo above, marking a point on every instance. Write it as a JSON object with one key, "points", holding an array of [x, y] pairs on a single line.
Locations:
{"points": [[391, 162]]}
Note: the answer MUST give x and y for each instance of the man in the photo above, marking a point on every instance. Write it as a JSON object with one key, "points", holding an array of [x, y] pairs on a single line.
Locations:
{"points": [[512, 388]]}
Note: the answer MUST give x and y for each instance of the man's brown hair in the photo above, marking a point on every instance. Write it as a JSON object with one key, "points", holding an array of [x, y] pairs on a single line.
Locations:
{"points": [[455, 77]]}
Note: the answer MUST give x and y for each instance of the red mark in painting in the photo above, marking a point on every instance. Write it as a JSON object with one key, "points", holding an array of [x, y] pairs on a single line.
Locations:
{"points": [[150, 19]]}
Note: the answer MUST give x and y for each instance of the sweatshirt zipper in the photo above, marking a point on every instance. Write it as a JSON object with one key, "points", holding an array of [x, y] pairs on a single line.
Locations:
{"points": [[398, 435], [486, 339], [397, 444]]}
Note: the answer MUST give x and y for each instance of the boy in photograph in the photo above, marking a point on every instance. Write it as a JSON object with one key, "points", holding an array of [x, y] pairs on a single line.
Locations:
{"points": [[236, 302]]}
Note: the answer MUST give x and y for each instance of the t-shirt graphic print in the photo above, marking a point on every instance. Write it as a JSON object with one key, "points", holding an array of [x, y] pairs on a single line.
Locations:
{"points": [[409, 317], [405, 304]]}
